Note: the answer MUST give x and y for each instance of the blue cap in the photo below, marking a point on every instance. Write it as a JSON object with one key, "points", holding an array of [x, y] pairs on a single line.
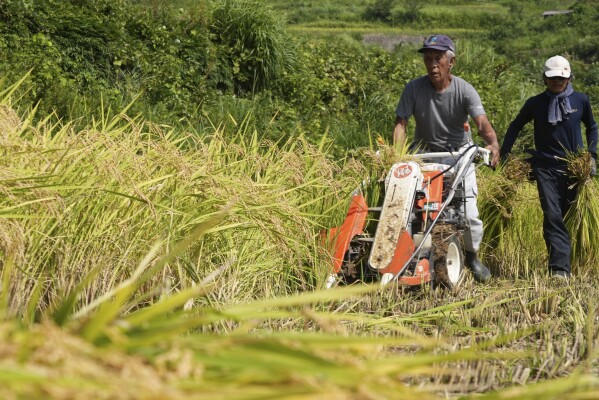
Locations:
{"points": [[437, 42]]}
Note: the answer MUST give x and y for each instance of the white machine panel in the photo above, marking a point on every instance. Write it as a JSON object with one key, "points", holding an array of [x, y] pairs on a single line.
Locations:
{"points": [[401, 185]]}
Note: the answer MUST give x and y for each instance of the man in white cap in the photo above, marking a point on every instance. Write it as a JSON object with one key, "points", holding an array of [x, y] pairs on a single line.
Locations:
{"points": [[441, 104], [557, 115]]}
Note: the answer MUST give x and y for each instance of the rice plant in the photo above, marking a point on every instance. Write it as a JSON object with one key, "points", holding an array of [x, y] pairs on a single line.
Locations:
{"points": [[103, 196], [137, 261]]}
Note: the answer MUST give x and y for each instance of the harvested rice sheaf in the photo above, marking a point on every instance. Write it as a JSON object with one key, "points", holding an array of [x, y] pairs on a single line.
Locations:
{"points": [[583, 216], [516, 169], [579, 166], [500, 190]]}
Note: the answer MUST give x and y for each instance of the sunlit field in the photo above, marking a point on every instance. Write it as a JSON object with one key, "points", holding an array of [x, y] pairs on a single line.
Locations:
{"points": [[139, 262], [168, 173]]}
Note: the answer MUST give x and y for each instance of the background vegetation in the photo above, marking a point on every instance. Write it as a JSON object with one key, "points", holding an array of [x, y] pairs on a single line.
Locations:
{"points": [[167, 167], [195, 62]]}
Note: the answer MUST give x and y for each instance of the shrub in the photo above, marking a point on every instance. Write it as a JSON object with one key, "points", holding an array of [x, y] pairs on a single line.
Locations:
{"points": [[411, 11], [253, 47], [380, 10], [86, 53]]}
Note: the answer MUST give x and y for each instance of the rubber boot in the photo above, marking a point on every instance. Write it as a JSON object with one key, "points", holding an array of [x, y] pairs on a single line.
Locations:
{"points": [[480, 272]]}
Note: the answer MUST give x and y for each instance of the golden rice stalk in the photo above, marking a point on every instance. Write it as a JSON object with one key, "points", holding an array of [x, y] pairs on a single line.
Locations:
{"points": [[579, 166], [582, 219], [499, 190], [505, 198], [516, 169], [381, 158], [9, 123]]}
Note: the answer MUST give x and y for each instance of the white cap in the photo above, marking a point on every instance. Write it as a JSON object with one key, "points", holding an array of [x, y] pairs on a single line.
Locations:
{"points": [[557, 66]]}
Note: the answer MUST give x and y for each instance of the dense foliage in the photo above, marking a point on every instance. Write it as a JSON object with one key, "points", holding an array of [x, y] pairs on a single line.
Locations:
{"points": [[203, 61], [85, 52]]}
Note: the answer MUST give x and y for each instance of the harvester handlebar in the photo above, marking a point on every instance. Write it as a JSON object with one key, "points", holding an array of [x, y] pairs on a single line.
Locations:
{"points": [[481, 154], [485, 154]]}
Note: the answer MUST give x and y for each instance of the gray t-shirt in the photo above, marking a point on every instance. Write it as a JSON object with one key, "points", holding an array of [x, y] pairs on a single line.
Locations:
{"points": [[440, 117]]}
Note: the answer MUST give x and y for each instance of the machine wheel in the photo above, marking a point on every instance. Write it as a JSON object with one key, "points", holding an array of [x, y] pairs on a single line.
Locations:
{"points": [[448, 260]]}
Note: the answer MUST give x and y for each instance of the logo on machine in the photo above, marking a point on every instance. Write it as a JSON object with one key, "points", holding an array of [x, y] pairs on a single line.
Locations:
{"points": [[402, 171]]}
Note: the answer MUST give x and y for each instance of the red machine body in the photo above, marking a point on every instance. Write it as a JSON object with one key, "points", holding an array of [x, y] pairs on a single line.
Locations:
{"points": [[413, 234]]}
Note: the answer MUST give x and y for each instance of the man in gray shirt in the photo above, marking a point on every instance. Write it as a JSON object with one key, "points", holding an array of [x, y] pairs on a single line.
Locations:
{"points": [[441, 104]]}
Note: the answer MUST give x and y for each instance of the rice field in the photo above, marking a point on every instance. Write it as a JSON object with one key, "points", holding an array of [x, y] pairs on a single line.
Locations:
{"points": [[141, 262]]}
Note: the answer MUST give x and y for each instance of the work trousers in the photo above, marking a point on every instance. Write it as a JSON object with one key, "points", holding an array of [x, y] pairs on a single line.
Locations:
{"points": [[473, 235], [557, 192]]}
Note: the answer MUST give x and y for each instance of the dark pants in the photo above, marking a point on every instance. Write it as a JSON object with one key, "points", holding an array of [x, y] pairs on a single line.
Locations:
{"points": [[556, 195]]}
